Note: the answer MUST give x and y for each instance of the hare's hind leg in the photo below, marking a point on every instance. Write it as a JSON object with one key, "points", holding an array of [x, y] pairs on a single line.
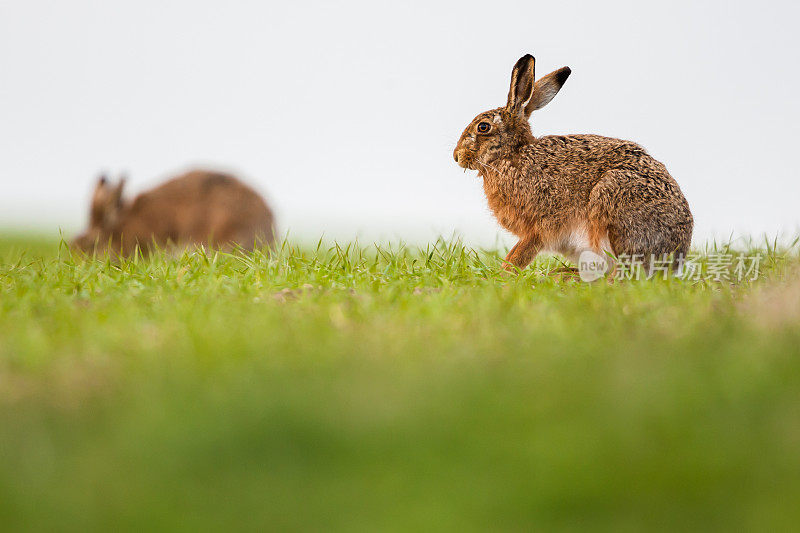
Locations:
{"points": [[246, 239], [640, 214]]}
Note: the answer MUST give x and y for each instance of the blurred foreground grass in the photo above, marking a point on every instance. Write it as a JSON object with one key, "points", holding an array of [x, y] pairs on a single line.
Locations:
{"points": [[367, 389]]}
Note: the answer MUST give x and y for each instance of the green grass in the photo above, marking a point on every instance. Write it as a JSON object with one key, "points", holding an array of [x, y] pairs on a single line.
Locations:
{"points": [[363, 388]]}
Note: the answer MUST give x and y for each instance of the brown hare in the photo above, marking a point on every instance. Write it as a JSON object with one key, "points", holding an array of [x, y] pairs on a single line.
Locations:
{"points": [[572, 193], [198, 207]]}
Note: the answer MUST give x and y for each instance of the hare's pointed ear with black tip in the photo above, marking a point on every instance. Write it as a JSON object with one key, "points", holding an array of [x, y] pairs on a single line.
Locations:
{"points": [[117, 194], [519, 95], [100, 184], [546, 88]]}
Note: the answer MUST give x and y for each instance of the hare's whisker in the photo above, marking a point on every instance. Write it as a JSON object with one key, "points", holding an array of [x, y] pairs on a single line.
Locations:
{"points": [[488, 166]]}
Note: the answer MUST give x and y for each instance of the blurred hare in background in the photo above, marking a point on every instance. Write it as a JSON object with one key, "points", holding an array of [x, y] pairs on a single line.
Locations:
{"points": [[198, 207]]}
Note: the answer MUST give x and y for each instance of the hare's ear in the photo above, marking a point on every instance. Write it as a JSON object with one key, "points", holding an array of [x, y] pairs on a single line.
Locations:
{"points": [[102, 181], [521, 85], [117, 194], [546, 89]]}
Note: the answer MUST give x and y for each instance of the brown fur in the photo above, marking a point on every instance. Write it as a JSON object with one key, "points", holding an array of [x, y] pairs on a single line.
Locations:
{"points": [[198, 207], [571, 193]]}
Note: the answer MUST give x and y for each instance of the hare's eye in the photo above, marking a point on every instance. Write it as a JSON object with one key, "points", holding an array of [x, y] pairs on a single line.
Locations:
{"points": [[484, 127]]}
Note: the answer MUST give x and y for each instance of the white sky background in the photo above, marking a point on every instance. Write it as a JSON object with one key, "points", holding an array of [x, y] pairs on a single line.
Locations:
{"points": [[346, 116]]}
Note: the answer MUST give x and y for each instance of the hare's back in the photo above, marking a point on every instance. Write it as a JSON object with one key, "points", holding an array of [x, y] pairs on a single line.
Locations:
{"points": [[199, 189], [199, 200], [586, 150]]}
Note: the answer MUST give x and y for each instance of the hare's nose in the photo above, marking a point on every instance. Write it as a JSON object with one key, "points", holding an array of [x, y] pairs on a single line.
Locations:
{"points": [[455, 155]]}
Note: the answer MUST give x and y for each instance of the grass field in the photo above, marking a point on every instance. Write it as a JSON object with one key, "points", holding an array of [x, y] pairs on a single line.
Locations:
{"points": [[358, 388]]}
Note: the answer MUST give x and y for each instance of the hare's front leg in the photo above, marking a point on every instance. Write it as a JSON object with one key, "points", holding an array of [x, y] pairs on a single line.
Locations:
{"points": [[523, 253]]}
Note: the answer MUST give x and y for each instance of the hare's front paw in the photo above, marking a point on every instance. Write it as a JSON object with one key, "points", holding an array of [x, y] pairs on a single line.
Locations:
{"points": [[510, 270], [521, 255]]}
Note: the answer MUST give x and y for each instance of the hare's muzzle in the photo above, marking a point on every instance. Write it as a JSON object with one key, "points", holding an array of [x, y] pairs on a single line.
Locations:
{"points": [[458, 155], [463, 157]]}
